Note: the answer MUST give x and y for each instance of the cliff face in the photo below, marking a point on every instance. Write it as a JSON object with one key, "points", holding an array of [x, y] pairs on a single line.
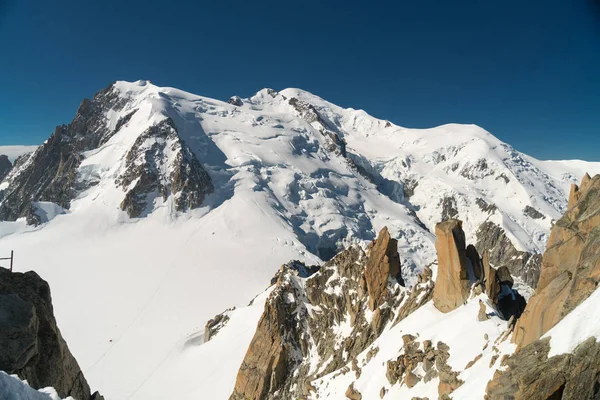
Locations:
{"points": [[31, 345], [315, 323], [570, 266], [452, 283]]}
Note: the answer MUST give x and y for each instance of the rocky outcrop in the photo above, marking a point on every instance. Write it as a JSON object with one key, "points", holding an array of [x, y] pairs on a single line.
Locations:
{"points": [[236, 101], [303, 346], [383, 263], [570, 267], [533, 213], [155, 151], [51, 174], [452, 283], [492, 288], [530, 374], [577, 190], [5, 166], [31, 345], [416, 364], [501, 251]]}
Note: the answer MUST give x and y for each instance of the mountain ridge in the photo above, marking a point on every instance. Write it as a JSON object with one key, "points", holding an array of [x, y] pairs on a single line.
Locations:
{"points": [[300, 180]]}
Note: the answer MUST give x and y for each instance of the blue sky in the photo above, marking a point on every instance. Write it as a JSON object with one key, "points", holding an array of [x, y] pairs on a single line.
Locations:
{"points": [[527, 71]]}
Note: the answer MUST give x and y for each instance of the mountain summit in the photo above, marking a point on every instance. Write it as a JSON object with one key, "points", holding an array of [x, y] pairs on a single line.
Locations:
{"points": [[155, 209]]}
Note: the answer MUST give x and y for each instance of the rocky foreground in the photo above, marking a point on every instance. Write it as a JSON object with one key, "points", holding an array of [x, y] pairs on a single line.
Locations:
{"points": [[298, 343], [31, 345]]}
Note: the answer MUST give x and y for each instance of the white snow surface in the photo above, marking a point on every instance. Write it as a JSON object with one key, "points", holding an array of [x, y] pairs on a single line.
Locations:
{"points": [[129, 293], [12, 388], [578, 326], [15, 151]]}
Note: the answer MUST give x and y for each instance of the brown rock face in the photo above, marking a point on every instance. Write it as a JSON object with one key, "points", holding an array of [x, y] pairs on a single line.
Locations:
{"points": [[383, 262], [452, 283], [264, 368], [570, 266], [532, 375]]}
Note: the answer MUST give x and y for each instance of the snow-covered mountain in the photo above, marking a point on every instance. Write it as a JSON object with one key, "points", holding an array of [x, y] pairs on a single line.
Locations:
{"points": [[156, 209]]}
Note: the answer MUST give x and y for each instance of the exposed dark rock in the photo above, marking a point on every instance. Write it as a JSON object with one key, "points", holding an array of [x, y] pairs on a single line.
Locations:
{"points": [[533, 213], [501, 251], [31, 345], [485, 206], [482, 315], [449, 210], [530, 374], [409, 187], [352, 393], [52, 173], [188, 182], [338, 293], [5, 166], [236, 101]]}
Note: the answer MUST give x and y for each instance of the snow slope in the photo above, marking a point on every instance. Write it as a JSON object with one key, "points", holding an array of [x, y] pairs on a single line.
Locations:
{"points": [[130, 293], [12, 388]]}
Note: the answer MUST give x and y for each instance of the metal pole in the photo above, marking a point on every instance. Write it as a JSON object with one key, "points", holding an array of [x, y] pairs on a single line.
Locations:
{"points": [[11, 259]]}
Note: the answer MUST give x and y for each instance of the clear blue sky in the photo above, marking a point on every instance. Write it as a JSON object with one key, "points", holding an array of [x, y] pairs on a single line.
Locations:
{"points": [[528, 71]]}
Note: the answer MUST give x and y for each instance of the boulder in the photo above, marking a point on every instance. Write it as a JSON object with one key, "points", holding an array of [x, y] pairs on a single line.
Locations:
{"points": [[452, 284], [383, 263], [570, 267], [31, 345]]}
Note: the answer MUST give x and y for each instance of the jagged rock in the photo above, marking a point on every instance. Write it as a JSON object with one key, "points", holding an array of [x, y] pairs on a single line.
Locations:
{"points": [[530, 374], [352, 393], [484, 206], [503, 276], [51, 174], [501, 251], [448, 379], [214, 325], [265, 365], [31, 345], [383, 263], [533, 213], [306, 345], [492, 288], [570, 267], [236, 101], [152, 153], [482, 315], [452, 283], [5, 166], [410, 380], [473, 256], [449, 208]]}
